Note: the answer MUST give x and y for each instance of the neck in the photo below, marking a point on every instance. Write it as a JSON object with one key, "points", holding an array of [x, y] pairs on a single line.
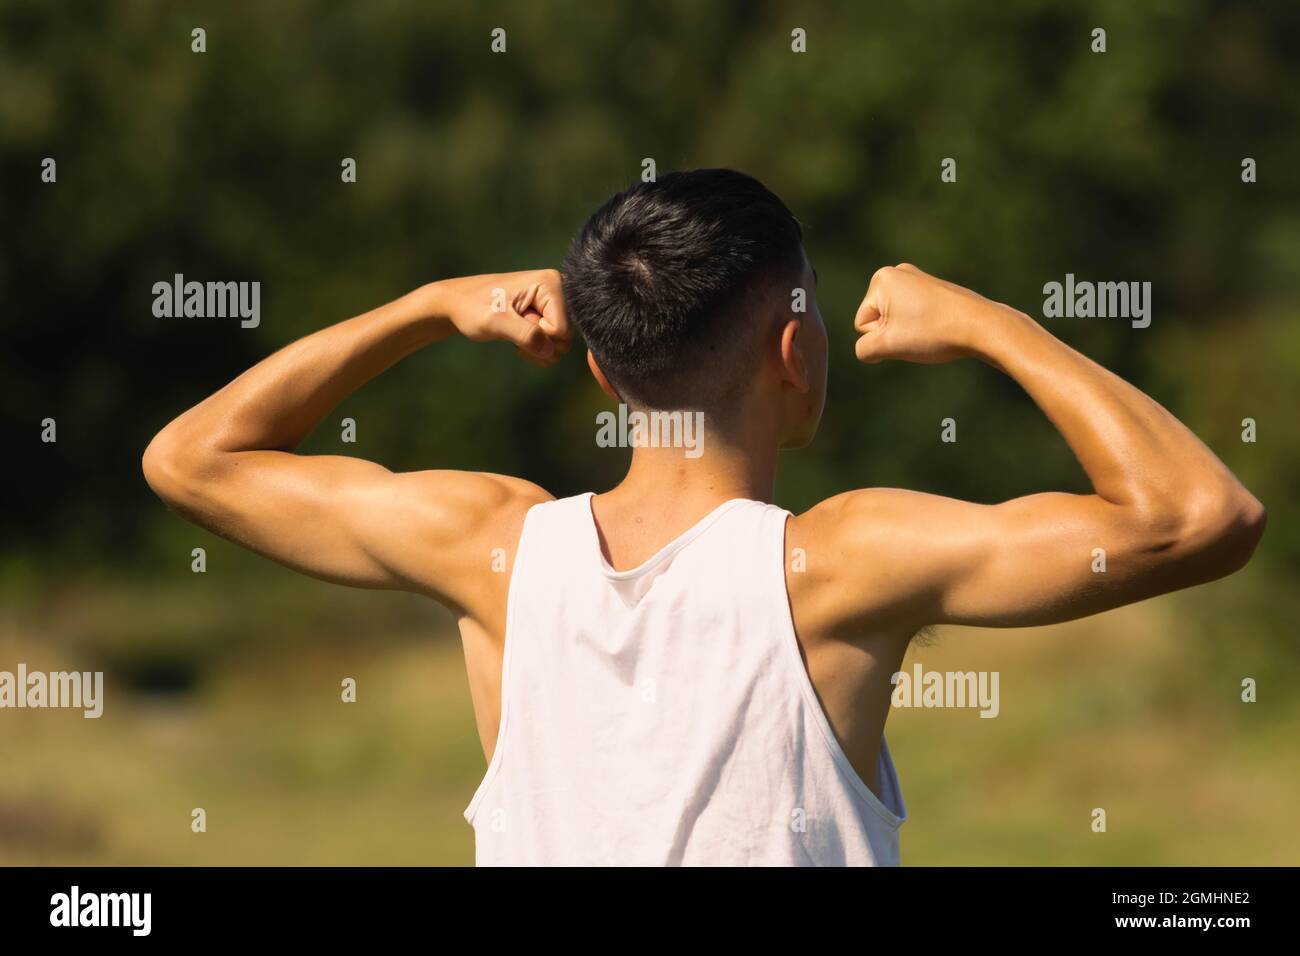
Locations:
{"points": [[733, 466]]}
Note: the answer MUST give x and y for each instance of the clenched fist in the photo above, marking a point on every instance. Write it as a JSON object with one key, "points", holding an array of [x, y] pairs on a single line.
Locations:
{"points": [[526, 308], [915, 317]]}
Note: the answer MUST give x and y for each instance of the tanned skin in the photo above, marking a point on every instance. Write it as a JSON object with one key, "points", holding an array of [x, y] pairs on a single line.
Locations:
{"points": [[881, 562]]}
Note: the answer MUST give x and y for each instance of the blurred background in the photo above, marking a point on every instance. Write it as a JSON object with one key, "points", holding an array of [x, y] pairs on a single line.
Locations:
{"points": [[222, 688]]}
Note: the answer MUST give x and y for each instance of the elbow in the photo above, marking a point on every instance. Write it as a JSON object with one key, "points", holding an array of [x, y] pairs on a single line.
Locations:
{"points": [[1219, 530], [169, 469], [160, 466], [1246, 531]]}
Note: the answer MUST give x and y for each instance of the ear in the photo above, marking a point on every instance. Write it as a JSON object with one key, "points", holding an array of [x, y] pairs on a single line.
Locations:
{"points": [[794, 369], [601, 380]]}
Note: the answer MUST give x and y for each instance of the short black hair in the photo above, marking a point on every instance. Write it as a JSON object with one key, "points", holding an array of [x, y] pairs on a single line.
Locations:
{"points": [[669, 280]]}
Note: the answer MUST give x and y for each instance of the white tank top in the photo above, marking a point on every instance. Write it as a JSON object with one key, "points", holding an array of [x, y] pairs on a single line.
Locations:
{"points": [[663, 715]]}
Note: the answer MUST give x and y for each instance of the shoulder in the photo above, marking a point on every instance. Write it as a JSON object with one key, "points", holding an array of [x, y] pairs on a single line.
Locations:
{"points": [[861, 554], [859, 518]]}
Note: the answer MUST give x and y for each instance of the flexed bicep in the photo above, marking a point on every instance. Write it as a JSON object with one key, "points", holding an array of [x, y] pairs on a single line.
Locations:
{"points": [[354, 522], [907, 559], [227, 463], [1166, 513]]}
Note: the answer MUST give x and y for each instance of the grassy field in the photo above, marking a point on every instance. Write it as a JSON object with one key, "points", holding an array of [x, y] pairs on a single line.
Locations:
{"points": [[1137, 712]]}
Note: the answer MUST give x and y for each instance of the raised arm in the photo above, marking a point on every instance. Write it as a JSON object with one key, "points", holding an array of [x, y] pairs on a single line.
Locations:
{"points": [[228, 465], [1165, 510]]}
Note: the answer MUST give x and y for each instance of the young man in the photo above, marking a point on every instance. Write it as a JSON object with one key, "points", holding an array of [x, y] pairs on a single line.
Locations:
{"points": [[676, 671]]}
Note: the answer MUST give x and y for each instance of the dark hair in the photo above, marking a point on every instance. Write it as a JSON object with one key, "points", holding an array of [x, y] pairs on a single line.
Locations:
{"points": [[669, 282]]}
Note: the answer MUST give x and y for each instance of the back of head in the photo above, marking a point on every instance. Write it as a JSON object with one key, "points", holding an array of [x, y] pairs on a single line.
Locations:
{"points": [[674, 283]]}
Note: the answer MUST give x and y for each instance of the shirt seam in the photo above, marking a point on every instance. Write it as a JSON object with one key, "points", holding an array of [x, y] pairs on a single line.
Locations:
{"points": [[498, 749], [809, 697]]}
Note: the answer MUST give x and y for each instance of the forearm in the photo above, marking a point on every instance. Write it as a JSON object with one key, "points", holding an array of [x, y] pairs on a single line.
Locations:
{"points": [[1135, 453], [277, 403]]}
